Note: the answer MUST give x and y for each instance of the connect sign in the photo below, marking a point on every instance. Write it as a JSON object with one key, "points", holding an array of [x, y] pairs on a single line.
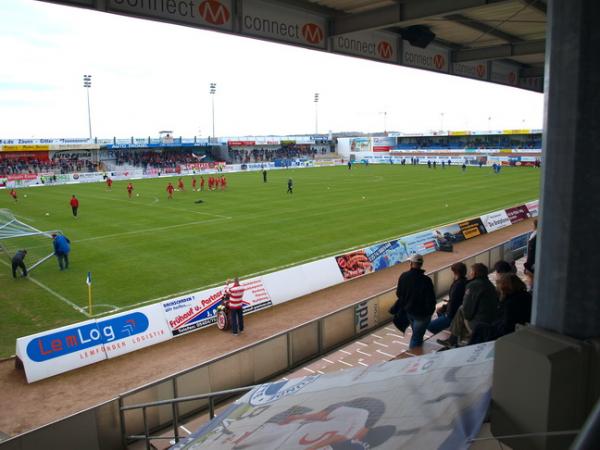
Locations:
{"points": [[384, 49], [438, 60]]}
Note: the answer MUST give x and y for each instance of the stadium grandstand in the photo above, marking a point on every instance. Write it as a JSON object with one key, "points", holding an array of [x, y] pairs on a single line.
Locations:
{"points": [[327, 359]]}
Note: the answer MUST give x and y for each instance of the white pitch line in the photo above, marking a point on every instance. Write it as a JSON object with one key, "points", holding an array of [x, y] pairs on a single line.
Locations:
{"points": [[386, 354], [379, 343], [54, 293], [344, 362], [363, 353]]}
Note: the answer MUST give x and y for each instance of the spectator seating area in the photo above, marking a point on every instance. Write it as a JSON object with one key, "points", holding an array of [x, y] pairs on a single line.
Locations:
{"points": [[159, 159], [57, 165], [245, 155]]}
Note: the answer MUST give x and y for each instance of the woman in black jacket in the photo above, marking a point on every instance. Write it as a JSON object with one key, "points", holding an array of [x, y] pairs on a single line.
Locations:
{"points": [[514, 308], [446, 312]]}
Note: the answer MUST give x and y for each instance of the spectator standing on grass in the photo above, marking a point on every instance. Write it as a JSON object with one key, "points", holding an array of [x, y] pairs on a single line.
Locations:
{"points": [[74, 205], [447, 311], [235, 303], [479, 306], [62, 248], [417, 298], [290, 186], [264, 174], [514, 308], [18, 262]]}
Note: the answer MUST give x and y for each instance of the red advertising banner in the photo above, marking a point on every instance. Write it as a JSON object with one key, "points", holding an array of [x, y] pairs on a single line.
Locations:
{"points": [[517, 214], [240, 143], [354, 264], [22, 177]]}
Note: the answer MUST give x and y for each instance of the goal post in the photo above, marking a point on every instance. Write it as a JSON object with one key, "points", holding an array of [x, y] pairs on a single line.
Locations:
{"points": [[17, 235]]}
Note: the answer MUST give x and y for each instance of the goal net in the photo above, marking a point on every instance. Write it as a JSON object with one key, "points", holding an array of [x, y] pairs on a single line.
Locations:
{"points": [[18, 235]]}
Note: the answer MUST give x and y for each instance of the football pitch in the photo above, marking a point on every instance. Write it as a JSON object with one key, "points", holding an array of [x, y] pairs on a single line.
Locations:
{"points": [[148, 248]]}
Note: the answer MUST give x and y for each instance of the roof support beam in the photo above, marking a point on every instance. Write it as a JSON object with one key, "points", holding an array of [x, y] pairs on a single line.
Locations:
{"points": [[484, 28], [403, 11], [500, 51]]}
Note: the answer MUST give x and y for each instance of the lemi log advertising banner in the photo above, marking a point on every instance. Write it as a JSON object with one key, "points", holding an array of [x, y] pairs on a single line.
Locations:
{"points": [[67, 348], [495, 221]]}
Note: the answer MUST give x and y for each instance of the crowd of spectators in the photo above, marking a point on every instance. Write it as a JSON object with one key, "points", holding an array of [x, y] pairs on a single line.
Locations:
{"points": [[158, 159], [57, 165], [484, 142], [477, 309], [242, 155]]}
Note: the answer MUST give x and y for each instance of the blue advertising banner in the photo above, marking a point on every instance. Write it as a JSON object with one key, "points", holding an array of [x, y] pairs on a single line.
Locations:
{"points": [[421, 243]]}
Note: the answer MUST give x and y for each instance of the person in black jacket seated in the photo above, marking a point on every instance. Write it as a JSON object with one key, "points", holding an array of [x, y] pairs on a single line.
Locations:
{"points": [[416, 298], [514, 308], [447, 311]]}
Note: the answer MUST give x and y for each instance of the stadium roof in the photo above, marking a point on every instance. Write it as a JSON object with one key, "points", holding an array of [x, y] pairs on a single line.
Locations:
{"points": [[501, 41]]}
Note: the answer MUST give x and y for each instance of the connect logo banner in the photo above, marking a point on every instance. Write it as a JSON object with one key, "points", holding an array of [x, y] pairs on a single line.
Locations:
{"points": [[273, 21], [209, 13], [368, 44], [434, 57]]}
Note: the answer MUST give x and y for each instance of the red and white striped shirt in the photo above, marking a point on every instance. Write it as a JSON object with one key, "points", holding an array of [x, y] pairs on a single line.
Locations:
{"points": [[235, 296]]}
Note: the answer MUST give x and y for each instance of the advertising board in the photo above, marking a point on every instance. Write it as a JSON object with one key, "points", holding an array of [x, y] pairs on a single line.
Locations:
{"points": [[504, 73], [532, 208], [472, 228], [495, 221], [475, 69], [517, 213], [368, 44], [434, 57], [270, 20]]}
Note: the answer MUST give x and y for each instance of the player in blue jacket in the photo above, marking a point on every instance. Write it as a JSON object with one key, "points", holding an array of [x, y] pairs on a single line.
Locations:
{"points": [[62, 247]]}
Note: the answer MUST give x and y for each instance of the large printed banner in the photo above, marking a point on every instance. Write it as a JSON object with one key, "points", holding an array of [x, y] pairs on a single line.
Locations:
{"points": [[398, 404], [532, 208], [495, 221], [472, 228], [517, 214], [198, 310], [56, 351]]}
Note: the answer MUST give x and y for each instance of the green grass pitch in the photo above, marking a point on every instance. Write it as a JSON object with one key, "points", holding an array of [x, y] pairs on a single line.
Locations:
{"points": [[149, 247]]}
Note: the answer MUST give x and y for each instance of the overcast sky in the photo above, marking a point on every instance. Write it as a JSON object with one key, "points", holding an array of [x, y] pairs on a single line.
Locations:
{"points": [[148, 76]]}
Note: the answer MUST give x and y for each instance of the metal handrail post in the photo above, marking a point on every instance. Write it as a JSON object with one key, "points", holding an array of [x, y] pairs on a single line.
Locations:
{"points": [[211, 408], [146, 430]]}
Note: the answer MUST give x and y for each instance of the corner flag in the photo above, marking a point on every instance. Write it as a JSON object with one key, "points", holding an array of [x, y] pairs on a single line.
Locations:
{"points": [[88, 281]]}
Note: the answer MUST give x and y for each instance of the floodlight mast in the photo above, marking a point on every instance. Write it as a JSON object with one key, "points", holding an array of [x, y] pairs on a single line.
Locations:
{"points": [[213, 91], [316, 101], [87, 84]]}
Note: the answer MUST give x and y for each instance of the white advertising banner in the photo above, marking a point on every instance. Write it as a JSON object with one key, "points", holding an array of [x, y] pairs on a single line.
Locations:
{"points": [[134, 330], [368, 44], [504, 73], [321, 274], [200, 13], [198, 310], [434, 57], [533, 208], [495, 221], [476, 69], [56, 351], [286, 284], [267, 19]]}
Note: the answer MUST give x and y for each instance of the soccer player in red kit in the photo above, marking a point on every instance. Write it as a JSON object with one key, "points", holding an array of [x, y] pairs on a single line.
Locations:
{"points": [[129, 189], [211, 183], [180, 185], [109, 183], [13, 194], [223, 182], [170, 190], [201, 183], [194, 184], [74, 205]]}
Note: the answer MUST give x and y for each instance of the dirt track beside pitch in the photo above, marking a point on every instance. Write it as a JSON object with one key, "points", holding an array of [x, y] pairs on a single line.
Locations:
{"points": [[27, 406]]}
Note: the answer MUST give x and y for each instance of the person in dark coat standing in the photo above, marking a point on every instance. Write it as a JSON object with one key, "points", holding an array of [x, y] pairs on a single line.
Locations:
{"points": [[74, 205], [529, 266], [455, 298], [264, 174], [18, 262], [417, 298]]}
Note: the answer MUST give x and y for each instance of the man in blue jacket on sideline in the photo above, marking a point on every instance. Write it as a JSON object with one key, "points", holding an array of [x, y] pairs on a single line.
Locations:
{"points": [[62, 247]]}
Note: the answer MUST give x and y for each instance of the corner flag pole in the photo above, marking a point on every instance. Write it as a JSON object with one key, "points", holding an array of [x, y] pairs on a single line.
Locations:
{"points": [[88, 281]]}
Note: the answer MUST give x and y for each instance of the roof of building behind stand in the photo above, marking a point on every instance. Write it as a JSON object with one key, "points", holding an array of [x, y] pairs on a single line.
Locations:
{"points": [[501, 41]]}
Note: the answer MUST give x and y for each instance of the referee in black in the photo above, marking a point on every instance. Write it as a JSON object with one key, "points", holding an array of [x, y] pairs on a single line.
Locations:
{"points": [[17, 261]]}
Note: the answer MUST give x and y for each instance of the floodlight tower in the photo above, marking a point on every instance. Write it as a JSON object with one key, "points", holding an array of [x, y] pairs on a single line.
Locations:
{"points": [[87, 84], [316, 101], [213, 91]]}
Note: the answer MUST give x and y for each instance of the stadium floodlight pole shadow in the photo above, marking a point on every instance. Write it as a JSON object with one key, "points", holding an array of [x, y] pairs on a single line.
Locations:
{"points": [[213, 91], [87, 84], [316, 101]]}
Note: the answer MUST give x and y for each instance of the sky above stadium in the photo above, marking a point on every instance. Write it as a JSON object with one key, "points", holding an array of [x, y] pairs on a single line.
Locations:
{"points": [[148, 76]]}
